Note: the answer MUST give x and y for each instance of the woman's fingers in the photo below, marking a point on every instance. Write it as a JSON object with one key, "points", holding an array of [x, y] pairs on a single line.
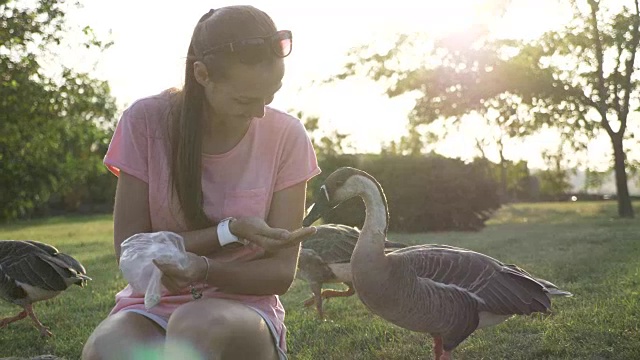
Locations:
{"points": [[170, 284], [251, 227], [271, 243], [167, 280], [276, 234], [167, 268], [174, 277], [302, 233], [257, 231]]}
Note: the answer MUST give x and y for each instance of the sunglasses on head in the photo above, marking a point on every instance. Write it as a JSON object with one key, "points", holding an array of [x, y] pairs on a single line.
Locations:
{"points": [[279, 44]]}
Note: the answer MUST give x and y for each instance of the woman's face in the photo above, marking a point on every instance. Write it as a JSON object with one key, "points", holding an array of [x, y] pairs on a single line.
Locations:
{"points": [[244, 92]]}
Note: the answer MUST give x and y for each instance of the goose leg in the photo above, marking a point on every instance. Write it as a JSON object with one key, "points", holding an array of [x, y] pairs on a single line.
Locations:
{"points": [[316, 288], [437, 348], [446, 356], [309, 301], [6, 321], [44, 331], [326, 294]]}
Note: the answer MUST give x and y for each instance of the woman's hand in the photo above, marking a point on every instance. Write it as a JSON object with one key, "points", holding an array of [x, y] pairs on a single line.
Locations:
{"points": [[257, 231], [175, 278]]}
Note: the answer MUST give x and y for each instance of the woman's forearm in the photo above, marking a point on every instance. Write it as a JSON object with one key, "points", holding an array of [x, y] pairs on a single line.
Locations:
{"points": [[265, 276], [201, 242]]}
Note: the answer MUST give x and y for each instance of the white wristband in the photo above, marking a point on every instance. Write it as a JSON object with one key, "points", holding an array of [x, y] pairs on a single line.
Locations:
{"points": [[224, 233]]}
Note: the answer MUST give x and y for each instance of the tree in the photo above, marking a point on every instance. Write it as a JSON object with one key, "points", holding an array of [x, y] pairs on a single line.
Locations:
{"points": [[462, 78], [593, 179], [412, 144], [554, 181], [54, 129], [594, 69], [506, 114], [580, 80], [326, 144]]}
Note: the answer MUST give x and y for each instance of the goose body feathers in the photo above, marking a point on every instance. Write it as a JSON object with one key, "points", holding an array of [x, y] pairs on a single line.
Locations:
{"points": [[32, 271], [325, 258]]}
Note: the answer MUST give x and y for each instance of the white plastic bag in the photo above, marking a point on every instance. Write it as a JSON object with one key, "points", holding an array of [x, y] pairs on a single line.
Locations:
{"points": [[137, 253]]}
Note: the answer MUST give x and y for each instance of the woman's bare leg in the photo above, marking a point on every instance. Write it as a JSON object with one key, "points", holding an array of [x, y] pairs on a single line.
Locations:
{"points": [[221, 329], [121, 335]]}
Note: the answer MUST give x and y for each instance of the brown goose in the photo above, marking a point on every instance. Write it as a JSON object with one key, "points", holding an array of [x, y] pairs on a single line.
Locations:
{"points": [[32, 271], [445, 291], [324, 258]]}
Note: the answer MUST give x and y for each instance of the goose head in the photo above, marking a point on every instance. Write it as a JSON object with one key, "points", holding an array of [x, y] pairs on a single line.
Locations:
{"points": [[77, 268], [342, 185]]}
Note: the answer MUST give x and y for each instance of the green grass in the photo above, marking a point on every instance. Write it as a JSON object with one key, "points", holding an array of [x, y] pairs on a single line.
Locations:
{"points": [[579, 246]]}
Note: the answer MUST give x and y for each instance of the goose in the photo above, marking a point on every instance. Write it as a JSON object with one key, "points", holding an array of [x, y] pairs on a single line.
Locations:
{"points": [[32, 271], [445, 291], [324, 258]]}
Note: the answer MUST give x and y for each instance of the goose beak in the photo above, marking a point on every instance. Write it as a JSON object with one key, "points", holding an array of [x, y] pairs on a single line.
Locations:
{"points": [[316, 210]]}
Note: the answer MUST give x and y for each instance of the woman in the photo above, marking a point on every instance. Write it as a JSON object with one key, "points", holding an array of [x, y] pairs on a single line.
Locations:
{"points": [[213, 163]]}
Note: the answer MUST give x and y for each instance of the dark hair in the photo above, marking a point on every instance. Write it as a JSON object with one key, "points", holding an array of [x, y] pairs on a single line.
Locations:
{"points": [[215, 28]]}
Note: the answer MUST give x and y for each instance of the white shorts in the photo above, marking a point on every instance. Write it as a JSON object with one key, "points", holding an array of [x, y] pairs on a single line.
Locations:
{"points": [[162, 322]]}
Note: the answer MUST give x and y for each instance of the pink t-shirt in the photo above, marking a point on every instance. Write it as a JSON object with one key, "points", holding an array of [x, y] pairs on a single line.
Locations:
{"points": [[274, 154]]}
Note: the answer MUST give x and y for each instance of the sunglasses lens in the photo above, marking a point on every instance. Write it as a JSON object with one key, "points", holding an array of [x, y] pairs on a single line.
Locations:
{"points": [[252, 54], [284, 47], [282, 43]]}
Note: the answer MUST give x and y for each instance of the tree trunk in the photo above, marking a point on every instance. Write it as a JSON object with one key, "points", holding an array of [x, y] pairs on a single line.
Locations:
{"points": [[625, 209], [504, 195]]}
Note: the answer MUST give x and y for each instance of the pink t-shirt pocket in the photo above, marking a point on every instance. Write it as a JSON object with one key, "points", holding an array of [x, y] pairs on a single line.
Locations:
{"points": [[242, 203]]}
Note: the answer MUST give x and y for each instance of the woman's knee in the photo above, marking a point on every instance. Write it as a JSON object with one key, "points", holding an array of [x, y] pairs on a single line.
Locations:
{"points": [[89, 351], [221, 327], [95, 348], [203, 317], [118, 336], [215, 321]]}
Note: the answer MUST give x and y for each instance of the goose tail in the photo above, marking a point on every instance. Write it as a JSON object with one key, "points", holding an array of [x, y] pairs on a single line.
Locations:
{"points": [[552, 289], [558, 292]]}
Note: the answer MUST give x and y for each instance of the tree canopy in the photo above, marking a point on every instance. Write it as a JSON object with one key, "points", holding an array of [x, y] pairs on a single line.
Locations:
{"points": [[580, 80], [55, 129]]}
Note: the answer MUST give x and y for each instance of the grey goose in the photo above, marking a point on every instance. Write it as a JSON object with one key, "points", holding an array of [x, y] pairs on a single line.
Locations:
{"points": [[32, 271], [445, 291]]}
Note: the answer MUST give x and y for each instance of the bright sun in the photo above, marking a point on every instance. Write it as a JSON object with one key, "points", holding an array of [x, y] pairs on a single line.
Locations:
{"points": [[524, 19]]}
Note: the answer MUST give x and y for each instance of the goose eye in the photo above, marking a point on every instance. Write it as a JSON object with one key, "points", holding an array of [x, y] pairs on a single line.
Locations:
{"points": [[324, 190]]}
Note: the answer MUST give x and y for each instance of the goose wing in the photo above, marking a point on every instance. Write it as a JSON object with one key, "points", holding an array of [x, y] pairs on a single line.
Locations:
{"points": [[499, 288], [36, 264], [311, 267], [64, 261], [333, 243]]}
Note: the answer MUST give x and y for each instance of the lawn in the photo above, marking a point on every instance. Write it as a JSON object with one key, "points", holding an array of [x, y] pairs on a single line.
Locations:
{"points": [[579, 246]]}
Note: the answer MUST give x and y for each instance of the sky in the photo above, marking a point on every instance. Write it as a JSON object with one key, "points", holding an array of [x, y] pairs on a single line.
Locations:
{"points": [[151, 38]]}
